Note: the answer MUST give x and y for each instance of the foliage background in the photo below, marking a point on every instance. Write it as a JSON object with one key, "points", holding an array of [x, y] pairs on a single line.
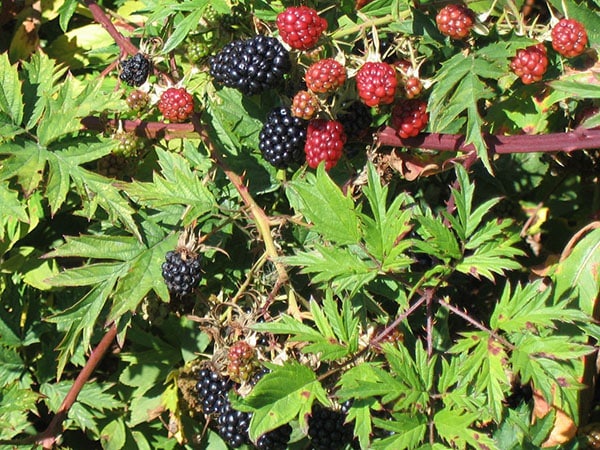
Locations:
{"points": [[486, 267]]}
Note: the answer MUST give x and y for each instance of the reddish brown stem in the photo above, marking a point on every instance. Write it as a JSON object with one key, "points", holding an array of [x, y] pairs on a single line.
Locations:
{"points": [[100, 16], [48, 437], [577, 139]]}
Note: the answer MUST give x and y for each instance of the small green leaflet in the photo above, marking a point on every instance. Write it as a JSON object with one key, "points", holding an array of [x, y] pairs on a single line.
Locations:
{"points": [[335, 337], [177, 184], [578, 274], [408, 432], [454, 427], [11, 102], [328, 209], [285, 394]]}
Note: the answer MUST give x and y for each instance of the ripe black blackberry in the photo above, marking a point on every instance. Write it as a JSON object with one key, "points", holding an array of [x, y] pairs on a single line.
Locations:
{"points": [[135, 70], [212, 391], [252, 65], [282, 138], [356, 119], [233, 425], [327, 430], [181, 271], [276, 439]]}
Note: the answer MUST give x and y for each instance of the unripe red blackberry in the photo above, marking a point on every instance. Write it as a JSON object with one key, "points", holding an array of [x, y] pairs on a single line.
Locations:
{"points": [[135, 70], [241, 362], [325, 141], [530, 63], [304, 105], [176, 104], [412, 87], [300, 27], [455, 21], [137, 100], [376, 83], [409, 117], [569, 38], [325, 75]]}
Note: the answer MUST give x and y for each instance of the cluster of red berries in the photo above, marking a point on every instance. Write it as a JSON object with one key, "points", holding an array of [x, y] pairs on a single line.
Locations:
{"points": [[176, 104], [242, 362], [300, 27]]}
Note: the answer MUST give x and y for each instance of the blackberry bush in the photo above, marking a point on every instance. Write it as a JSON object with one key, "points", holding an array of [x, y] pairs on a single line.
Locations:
{"points": [[212, 391]]}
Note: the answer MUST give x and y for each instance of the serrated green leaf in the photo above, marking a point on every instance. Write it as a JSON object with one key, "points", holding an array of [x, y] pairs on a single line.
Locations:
{"points": [[12, 209], [11, 365], [178, 185], [66, 11], [330, 211], [120, 248], [283, 395], [27, 162], [454, 427], [409, 432], [11, 102], [41, 75], [578, 274], [72, 102], [438, 241], [344, 268], [14, 409]]}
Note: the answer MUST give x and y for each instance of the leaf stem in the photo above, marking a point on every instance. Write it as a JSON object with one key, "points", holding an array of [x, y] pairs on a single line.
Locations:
{"points": [[100, 16]]}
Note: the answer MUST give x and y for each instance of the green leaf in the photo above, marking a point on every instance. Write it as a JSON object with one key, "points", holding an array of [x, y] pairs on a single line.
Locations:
{"points": [[529, 307], [71, 103], [66, 11], [328, 209], [11, 365], [281, 396], [11, 102], [382, 231], [454, 427], [183, 28], [178, 185], [342, 267], [577, 275], [438, 241], [12, 209], [14, 408], [42, 75], [27, 162], [113, 435], [408, 432]]}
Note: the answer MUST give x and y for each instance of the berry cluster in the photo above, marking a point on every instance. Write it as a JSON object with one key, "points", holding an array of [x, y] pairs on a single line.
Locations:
{"points": [[569, 38], [325, 141], [176, 104], [282, 138], [242, 362], [135, 70], [530, 63], [300, 27], [233, 425], [409, 117], [455, 21], [376, 83], [328, 429], [181, 271], [326, 75], [304, 105], [251, 65]]}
